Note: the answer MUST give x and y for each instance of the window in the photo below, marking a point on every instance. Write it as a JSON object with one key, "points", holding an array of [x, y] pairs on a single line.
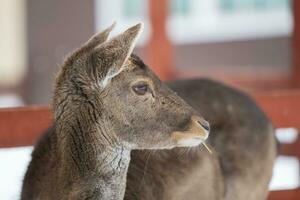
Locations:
{"points": [[221, 20], [125, 12], [194, 21]]}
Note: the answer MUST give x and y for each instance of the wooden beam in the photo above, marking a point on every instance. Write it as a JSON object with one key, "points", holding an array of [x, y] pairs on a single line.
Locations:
{"points": [[282, 106], [22, 126], [159, 49], [290, 149], [285, 194]]}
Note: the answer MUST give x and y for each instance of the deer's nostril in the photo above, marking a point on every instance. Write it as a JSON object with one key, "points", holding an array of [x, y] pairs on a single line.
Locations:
{"points": [[205, 125]]}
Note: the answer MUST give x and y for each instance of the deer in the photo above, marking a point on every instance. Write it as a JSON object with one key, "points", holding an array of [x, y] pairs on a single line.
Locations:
{"points": [[106, 103], [241, 138]]}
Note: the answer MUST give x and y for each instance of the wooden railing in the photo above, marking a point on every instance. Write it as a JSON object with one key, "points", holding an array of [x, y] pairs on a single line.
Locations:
{"points": [[22, 126], [285, 195], [283, 108]]}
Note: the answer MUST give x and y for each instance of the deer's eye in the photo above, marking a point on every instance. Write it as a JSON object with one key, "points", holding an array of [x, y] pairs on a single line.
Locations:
{"points": [[141, 88]]}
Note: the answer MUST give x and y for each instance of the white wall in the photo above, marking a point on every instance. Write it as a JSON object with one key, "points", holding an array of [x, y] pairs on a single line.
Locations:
{"points": [[12, 41]]}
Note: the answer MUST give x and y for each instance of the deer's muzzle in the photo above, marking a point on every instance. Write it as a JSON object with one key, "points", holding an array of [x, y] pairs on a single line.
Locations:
{"points": [[197, 131]]}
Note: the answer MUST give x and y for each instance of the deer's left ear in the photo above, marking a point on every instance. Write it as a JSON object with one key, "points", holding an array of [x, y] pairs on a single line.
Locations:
{"points": [[110, 57], [99, 38]]}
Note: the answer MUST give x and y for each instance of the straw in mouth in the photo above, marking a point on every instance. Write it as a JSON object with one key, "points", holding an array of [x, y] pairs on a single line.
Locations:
{"points": [[207, 148]]}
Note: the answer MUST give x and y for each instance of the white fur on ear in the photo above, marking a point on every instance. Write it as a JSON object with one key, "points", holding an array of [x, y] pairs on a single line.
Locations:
{"points": [[110, 74], [113, 71]]}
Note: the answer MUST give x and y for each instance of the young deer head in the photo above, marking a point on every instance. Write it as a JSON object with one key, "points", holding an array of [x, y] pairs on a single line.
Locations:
{"points": [[119, 100]]}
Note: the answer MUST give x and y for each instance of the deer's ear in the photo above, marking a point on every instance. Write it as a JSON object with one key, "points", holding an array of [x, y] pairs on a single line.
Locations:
{"points": [[109, 58], [100, 37], [94, 41]]}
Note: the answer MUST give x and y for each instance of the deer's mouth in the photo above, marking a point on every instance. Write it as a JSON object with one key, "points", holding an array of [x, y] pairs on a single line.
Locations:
{"points": [[189, 139], [191, 142]]}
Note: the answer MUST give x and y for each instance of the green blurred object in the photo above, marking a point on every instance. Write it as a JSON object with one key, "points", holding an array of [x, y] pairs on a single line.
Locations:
{"points": [[280, 3], [181, 7], [255, 5], [260, 4], [227, 5], [132, 8]]}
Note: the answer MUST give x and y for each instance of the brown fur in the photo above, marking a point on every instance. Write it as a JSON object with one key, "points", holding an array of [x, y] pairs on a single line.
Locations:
{"points": [[100, 115], [244, 148]]}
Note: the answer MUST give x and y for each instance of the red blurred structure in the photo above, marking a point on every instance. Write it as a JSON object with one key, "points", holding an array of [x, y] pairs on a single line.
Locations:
{"points": [[22, 126], [296, 45], [159, 49]]}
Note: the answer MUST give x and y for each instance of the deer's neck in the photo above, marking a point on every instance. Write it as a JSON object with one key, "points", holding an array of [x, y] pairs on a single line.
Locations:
{"points": [[111, 172], [92, 162]]}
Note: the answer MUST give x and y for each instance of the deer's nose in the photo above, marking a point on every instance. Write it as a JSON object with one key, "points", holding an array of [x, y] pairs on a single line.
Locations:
{"points": [[204, 124]]}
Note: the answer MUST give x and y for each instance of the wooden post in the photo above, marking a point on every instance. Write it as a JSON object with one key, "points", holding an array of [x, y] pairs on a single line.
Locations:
{"points": [[23, 126], [159, 49], [296, 44], [285, 194]]}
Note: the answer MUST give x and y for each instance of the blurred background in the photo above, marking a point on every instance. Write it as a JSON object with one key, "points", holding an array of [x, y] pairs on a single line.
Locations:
{"points": [[246, 43], [250, 44]]}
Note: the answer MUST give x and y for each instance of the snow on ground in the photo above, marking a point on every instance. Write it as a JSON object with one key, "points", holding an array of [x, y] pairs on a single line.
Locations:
{"points": [[14, 161], [13, 164]]}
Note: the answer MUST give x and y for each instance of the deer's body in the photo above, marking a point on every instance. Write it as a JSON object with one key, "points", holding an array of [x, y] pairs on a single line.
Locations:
{"points": [[106, 102], [244, 148]]}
